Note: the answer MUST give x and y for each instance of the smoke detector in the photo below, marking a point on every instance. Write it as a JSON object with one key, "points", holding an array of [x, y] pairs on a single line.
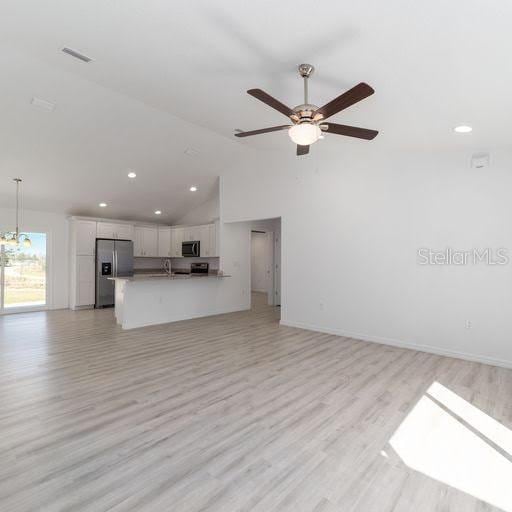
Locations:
{"points": [[480, 161]]}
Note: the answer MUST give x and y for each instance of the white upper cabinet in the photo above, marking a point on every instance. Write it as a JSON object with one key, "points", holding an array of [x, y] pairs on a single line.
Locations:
{"points": [[85, 233], [124, 232], [214, 246], [164, 242], [146, 242], [206, 235], [177, 238], [116, 231], [192, 233], [203, 233]]}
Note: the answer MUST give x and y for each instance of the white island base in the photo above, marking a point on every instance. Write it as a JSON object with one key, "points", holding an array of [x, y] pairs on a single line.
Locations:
{"points": [[142, 301]]}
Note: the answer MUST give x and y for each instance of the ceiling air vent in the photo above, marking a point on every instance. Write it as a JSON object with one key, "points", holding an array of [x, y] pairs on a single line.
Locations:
{"points": [[76, 55]]}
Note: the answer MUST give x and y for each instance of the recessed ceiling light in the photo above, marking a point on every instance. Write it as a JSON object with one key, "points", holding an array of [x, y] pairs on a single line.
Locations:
{"points": [[132, 174], [193, 189], [158, 212], [102, 205], [191, 152], [463, 129]]}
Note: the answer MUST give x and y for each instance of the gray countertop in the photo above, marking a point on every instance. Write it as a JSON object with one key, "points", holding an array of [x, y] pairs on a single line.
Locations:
{"points": [[163, 276]]}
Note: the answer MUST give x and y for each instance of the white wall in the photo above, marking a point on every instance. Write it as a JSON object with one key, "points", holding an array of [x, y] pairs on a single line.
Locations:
{"points": [[352, 221], [206, 213], [235, 260], [56, 226]]}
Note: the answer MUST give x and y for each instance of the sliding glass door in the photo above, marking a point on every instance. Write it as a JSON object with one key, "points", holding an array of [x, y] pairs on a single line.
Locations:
{"points": [[23, 275]]}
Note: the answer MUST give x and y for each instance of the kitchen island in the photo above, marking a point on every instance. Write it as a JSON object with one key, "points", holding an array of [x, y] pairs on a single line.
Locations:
{"points": [[143, 300]]}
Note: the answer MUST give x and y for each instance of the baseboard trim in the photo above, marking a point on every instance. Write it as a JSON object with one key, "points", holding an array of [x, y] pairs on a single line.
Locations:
{"points": [[401, 344]]}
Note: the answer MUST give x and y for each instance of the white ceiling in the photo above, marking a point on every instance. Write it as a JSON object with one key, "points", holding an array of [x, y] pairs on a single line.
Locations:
{"points": [[433, 65]]}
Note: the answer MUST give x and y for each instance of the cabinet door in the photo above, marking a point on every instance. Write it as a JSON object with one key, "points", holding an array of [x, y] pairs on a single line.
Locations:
{"points": [[213, 240], [203, 233], [138, 244], [123, 231], [85, 237], [85, 270], [106, 230], [191, 234], [150, 243], [164, 242], [177, 235]]}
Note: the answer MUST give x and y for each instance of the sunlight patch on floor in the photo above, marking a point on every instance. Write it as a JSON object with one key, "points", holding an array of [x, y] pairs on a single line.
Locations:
{"points": [[450, 440]]}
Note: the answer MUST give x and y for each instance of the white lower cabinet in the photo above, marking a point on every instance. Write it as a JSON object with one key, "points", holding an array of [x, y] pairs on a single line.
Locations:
{"points": [[85, 273]]}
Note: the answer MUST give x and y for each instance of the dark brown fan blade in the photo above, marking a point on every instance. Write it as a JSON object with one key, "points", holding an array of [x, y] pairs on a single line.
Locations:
{"points": [[302, 150], [350, 131], [271, 102], [263, 130], [345, 100]]}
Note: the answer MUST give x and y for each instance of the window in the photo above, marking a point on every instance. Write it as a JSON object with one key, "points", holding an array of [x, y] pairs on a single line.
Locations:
{"points": [[23, 277]]}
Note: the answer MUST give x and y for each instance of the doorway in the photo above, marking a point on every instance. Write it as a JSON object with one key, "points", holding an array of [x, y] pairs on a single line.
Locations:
{"points": [[23, 275], [266, 260]]}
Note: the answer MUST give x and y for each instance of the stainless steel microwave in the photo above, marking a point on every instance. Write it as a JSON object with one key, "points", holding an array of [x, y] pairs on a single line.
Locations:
{"points": [[191, 249]]}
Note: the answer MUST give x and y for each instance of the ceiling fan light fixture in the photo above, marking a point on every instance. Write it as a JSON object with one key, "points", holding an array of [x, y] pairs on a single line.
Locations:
{"points": [[304, 134]]}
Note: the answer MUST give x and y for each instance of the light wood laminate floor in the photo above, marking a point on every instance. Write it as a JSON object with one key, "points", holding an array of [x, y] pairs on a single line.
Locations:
{"points": [[235, 413]]}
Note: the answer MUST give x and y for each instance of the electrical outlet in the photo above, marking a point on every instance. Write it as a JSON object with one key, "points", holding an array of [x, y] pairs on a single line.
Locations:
{"points": [[321, 306], [468, 324]]}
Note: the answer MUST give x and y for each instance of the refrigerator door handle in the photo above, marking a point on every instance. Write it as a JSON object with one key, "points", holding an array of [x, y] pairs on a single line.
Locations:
{"points": [[114, 264]]}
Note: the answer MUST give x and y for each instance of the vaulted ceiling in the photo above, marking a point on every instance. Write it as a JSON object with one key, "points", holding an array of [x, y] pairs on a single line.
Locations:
{"points": [[171, 76]]}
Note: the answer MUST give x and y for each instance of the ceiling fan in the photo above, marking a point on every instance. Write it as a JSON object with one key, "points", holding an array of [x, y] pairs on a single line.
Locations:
{"points": [[308, 120]]}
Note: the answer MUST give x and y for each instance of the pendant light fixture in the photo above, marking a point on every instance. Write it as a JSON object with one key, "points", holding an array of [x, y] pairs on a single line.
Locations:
{"points": [[15, 237]]}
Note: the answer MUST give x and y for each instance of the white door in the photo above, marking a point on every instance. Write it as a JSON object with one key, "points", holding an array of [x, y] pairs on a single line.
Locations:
{"points": [[261, 270]]}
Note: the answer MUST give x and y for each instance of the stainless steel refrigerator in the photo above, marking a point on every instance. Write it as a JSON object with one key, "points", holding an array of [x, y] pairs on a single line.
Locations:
{"points": [[114, 258]]}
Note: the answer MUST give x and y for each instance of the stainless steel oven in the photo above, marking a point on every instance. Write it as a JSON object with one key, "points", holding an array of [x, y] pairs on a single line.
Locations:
{"points": [[191, 249]]}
